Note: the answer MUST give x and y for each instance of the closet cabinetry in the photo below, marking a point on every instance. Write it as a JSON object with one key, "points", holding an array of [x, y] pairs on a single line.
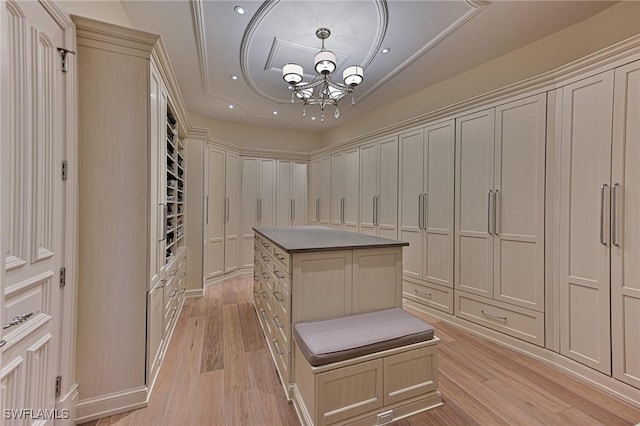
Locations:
{"points": [[131, 214], [291, 193], [426, 214], [345, 184], [379, 188], [319, 210], [499, 218]]}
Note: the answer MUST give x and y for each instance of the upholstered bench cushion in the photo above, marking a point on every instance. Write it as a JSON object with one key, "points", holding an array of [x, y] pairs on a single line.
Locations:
{"points": [[338, 339]]}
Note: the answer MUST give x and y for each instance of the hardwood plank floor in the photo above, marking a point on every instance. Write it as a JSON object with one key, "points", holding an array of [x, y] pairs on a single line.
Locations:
{"points": [[218, 371]]}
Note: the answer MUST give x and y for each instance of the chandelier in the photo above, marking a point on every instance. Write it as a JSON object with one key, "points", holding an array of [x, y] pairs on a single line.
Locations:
{"points": [[322, 91]]}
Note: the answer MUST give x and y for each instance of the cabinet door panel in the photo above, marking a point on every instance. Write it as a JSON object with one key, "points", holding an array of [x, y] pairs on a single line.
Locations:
{"points": [[232, 228], [325, 190], [369, 187], [474, 158], [299, 193], [519, 182], [314, 192], [377, 279], [249, 184], [215, 214], [625, 268], [337, 189], [388, 189], [584, 260], [156, 188], [283, 193], [351, 189], [267, 192]]}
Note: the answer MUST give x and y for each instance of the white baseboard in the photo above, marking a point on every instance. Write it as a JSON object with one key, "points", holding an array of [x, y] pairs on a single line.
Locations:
{"points": [[599, 380], [108, 405], [220, 278], [194, 292], [67, 404]]}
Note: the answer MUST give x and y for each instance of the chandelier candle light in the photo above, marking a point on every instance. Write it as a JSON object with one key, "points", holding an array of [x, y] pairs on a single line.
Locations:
{"points": [[322, 90]]}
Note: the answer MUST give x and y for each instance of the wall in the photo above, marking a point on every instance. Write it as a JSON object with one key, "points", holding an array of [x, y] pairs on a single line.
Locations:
{"points": [[104, 10], [612, 25], [262, 137]]}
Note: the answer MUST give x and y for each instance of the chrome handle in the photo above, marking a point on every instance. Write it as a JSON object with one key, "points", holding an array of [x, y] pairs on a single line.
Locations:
{"points": [[17, 320], [265, 258], [276, 273], [614, 213], [226, 209], [317, 209], [255, 278], [2, 343], [173, 313], [164, 221], [294, 211], [290, 210], [163, 283], [278, 298], [489, 314], [264, 315], [422, 293], [495, 212], [173, 273], [602, 188], [264, 275], [206, 209], [173, 293], [257, 209], [183, 290], [275, 345], [264, 294], [420, 211], [260, 209], [266, 245], [424, 210], [489, 212], [277, 322], [280, 256], [183, 274]]}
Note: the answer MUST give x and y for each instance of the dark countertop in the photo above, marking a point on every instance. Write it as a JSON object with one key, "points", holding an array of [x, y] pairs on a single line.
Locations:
{"points": [[297, 239]]}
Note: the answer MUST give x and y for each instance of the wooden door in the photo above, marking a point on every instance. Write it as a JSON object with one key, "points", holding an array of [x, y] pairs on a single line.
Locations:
{"points": [[33, 202], [351, 189], [368, 187], [411, 206], [267, 192], [585, 325], [519, 196], [299, 193], [474, 191], [215, 210], [387, 201], [283, 193], [324, 207], [249, 185], [438, 203], [625, 231], [337, 190], [232, 217]]}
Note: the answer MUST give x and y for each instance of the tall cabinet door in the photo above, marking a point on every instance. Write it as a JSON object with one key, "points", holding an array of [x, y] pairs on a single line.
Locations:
{"points": [[156, 188], [284, 208], [324, 205], [249, 184], [519, 202], [215, 214], [337, 190], [387, 201], [351, 189], [231, 213], [584, 242], [369, 187], [299, 192], [625, 231], [474, 192], [267, 192], [411, 201], [438, 203]]}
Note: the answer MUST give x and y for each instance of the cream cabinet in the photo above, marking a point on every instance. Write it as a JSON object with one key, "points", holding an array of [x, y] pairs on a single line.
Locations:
{"points": [[221, 224], [319, 207], [426, 214], [379, 188], [345, 184], [131, 215], [291, 193], [258, 185], [499, 216]]}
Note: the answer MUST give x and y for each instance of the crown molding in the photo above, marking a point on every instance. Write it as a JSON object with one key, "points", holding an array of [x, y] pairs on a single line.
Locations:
{"points": [[614, 55], [272, 153], [198, 133]]}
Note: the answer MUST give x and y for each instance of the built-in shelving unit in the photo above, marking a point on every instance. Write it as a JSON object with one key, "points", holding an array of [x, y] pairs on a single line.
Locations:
{"points": [[175, 188]]}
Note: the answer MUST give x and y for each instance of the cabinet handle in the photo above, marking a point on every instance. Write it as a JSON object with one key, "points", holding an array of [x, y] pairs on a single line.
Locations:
{"points": [[277, 322], [183, 274], [173, 273], [373, 199], [489, 314], [614, 213], [173, 293], [264, 275], [257, 209], [162, 283], [422, 293], [602, 239], [262, 313], [164, 221], [2, 343], [277, 274], [17, 320], [260, 199], [317, 209], [277, 296], [489, 212], [424, 210], [264, 295], [173, 313], [420, 211], [206, 209], [294, 211], [495, 212], [290, 210], [183, 290], [275, 345], [255, 278], [226, 209]]}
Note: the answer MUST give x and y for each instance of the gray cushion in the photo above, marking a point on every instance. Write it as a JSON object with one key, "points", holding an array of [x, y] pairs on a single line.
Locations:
{"points": [[338, 339]]}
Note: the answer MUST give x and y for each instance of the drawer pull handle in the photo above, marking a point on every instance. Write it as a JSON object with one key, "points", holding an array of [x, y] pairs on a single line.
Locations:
{"points": [[264, 295], [422, 293], [277, 274], [490, 315], [265, 258], [255, 262], [255, 278], [2, 343], [183, 258], [173, 313], [183, 290], [264, 316], [278, 298], [275, 345], [17, 320], [264, 275], [174, 292], [279, 256], [265, 245], [276, 320], [162, 283], [173, 273], [183, 274]]}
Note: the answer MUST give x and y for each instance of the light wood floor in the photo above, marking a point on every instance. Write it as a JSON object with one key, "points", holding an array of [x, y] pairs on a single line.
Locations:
{"points": [[217, 371]]}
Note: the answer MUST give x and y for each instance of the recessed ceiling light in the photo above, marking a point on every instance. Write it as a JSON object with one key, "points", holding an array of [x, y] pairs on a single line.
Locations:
{"points": [[275, 112], [234, 77], [386, 50], [230, 106], [313, 118], [239, 10]]}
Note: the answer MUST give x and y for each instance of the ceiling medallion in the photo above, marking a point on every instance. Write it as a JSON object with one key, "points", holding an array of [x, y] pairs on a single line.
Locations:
{"points": [[322, 90]]}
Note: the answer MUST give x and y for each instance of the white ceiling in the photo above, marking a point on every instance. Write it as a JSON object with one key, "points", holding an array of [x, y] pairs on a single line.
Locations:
{"points": [[430, 41]]}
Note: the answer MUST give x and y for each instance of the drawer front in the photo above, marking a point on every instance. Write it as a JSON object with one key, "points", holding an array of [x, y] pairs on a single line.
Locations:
{"points": [[282, 258], [432, 295], [170, 293], [282, 277], [512, 320], [410, 374]]}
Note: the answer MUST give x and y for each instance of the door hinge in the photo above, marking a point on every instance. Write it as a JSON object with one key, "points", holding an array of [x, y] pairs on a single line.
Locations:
{"points": [[64, 169], [63, 54], [63, 276], [58, 386]]}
